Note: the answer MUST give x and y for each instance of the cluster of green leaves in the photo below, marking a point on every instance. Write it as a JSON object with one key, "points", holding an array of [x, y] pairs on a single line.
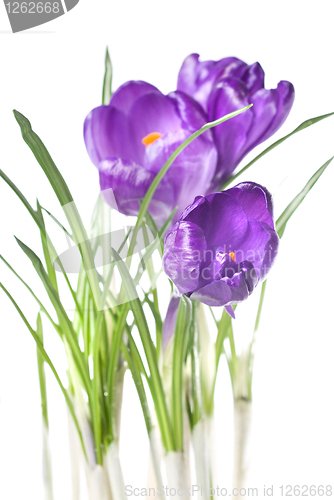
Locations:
{"points": [[104, 330], [101, 318]]}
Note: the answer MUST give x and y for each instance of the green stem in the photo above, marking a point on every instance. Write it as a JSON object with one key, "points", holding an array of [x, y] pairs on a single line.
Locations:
{"points": [[302, 126], [156, 382], [197, 396], [113, 365], [41, 374], [179, 350], [251, 352], [96, 391]]}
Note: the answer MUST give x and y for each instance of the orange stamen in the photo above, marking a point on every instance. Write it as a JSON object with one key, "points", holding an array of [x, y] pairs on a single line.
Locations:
{"points": [[231, 254], [150, 138]]}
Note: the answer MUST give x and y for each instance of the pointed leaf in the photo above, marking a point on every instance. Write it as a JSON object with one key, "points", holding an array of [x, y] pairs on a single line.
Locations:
{"points": [[41, 373], [150, 351], [24, 200], [302, 126], [107, 81], [49, 362], [44, 159], [63, 319], [64, 196], [56, 327], [292, 207], [180, 342]]}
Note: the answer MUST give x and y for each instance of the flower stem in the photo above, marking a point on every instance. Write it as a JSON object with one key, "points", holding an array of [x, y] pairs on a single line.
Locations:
{"points": [[180, 343], [47, 470], [242, 434], [251, 352]]}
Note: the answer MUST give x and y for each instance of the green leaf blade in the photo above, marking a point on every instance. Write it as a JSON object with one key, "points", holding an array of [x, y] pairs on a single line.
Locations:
{"points": [[302, 126], [44, 159], [180, 342], [107, 81], [292, 207]]}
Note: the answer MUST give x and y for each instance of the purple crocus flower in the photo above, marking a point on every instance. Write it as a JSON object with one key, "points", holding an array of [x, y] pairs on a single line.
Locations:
{"points": [[130, 140], [222, 245], [225, 86]]}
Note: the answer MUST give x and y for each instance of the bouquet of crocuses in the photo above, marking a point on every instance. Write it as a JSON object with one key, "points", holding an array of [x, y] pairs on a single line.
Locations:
{"points": [[167, 160]]}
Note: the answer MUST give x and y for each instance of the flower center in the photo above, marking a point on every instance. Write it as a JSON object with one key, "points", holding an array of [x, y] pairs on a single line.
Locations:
{"points": [[150, 138], [232, 255]]}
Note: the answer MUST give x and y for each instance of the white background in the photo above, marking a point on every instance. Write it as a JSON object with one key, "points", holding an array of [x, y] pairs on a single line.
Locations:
{"points": [[53, 75]]}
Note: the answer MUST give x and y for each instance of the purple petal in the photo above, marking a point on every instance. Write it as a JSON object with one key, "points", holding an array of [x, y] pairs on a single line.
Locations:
{"points": [[259, 247], [230, 311], [125, 182], [184, 249], [129, 92], [270, 251], [254, 78], [236, 137], [170, 321], [230, 137], [223, 245], [152, 113], [270, 110], [191, 114], [197, 78], [106, 134], [222, 218], [228, 291], [191, 172], [255, 200], [198, 201], [228, 222], [285, 98]]}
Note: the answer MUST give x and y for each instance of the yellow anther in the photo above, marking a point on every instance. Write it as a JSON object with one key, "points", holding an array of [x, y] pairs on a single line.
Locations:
{"points": [[150, 138], [231, 254]]}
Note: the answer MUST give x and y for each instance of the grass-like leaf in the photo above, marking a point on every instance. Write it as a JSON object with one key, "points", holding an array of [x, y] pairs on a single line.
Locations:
{"points": [[64, 196], [113, 365], [151, 355], [41, 373], [49, 362], [180, 342], [64, 322], [56, 327], [292, 207], [136, 375], [107, 81], [24, 200], [48, 247], [44, 159], [96, 406], [59, 224], [302, 126]]}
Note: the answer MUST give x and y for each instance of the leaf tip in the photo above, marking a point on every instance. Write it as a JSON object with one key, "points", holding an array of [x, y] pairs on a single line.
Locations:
{"points": [[21, 119]]}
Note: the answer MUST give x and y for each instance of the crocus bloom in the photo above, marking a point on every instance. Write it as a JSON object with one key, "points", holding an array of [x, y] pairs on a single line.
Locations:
{"points": [[228, 85], [130, 140], [222, 245]]}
